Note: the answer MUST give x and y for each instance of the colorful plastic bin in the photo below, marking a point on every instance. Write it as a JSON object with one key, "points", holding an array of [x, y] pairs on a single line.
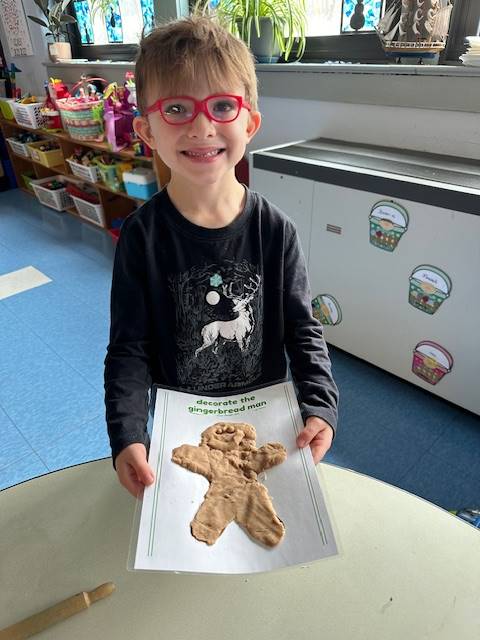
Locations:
{"points": [[50, 158], [6, 107], [140, 183]]}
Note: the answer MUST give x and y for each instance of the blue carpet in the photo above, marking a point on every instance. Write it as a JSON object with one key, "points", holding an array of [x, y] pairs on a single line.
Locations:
{"points": [[53, 342]]}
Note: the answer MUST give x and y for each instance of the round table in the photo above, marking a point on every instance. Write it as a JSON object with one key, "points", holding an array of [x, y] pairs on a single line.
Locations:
{"points": [[406, 569]]}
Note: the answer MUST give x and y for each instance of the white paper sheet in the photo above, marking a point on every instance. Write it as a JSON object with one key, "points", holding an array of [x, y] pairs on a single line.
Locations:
{"points": [[165, 542]]}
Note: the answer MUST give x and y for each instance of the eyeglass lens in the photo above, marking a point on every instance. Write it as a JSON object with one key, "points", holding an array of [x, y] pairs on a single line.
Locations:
{"points": [[219, 108]]}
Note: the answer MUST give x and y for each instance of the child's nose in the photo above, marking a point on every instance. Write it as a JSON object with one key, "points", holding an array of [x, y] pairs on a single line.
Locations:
{"points": [[201, 126]]}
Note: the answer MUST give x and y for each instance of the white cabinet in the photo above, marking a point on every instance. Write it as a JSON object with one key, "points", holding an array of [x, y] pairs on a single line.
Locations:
{"points": [[293, 195], [399, 287]]}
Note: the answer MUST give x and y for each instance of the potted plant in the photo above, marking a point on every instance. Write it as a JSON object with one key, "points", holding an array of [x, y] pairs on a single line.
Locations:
{"points": [[269, 27], [55, 21]]}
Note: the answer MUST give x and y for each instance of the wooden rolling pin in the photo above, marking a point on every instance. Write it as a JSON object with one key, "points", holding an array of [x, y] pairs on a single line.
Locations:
{"points": [[69, 607]]}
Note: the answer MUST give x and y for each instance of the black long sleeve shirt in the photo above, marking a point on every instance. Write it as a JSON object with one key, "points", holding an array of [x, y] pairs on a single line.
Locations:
{"points": [[211, 311]]}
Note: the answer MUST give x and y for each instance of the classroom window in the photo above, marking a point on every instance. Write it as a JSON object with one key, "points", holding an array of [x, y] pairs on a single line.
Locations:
{"points": [[113, 32], [332, 17], [332, 34]]}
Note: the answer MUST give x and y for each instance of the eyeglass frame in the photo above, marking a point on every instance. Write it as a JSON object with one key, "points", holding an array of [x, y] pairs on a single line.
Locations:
{"points": [[200, 106]]}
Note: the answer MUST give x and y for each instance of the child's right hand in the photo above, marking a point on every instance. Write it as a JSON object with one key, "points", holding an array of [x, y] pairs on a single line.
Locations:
{"points": [[133, 470]]}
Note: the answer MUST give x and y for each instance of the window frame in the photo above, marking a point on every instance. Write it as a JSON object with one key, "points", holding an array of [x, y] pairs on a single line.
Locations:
{"points": [[361, 47], [365, 47], [121, 52]]}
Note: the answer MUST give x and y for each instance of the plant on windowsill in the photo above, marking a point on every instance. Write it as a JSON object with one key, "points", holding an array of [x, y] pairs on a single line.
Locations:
{"points": [[55, 21], [269, 27]]}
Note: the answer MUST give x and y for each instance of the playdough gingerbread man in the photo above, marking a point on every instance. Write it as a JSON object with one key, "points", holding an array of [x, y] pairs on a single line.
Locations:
{"points": [[228, 458]]}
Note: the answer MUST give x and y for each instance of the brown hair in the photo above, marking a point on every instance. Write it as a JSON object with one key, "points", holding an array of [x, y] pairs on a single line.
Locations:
{"points": [[175, 55]]}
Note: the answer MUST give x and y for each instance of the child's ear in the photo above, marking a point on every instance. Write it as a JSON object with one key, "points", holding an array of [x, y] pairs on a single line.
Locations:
{"points": [[254, 122], [142, 128]]}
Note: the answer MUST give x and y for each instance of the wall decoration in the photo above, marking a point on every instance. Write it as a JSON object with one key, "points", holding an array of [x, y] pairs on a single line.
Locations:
{"points": [[113, 23], [431, 362], [429, 287], [388, 223], [148, 13], [84, 21], [361, 15], [12, 17], [326, 309]]}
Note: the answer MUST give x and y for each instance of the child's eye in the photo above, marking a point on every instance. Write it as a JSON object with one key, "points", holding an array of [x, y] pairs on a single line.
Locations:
{"points": [[224, 106], [175, 109]]}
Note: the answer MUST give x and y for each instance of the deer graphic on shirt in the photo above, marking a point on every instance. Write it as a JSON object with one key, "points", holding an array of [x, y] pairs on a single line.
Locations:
{"points": [[241, 327]]}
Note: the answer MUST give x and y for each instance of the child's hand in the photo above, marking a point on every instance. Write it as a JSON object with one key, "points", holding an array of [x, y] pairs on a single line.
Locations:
{"points": [[318, 434], [133, 470]]}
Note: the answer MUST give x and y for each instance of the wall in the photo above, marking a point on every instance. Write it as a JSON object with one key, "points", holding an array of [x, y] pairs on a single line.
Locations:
{"points": [[33, 73], [434, 131], [446, 123]]}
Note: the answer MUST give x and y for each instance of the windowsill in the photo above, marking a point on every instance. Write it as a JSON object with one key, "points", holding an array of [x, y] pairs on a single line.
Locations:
{"points": [[373, 69], [439, 87], [323, 67]]}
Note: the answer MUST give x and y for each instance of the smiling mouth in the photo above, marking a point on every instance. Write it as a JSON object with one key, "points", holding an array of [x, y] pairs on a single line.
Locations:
{"points": [[202, 154]]}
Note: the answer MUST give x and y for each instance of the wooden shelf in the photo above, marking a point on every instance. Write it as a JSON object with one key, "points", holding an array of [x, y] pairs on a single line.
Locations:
{"points": [[101, 146], [116, 204]]}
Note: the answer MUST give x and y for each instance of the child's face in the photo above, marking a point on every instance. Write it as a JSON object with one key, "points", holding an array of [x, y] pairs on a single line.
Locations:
{"points": [[202, 151]]}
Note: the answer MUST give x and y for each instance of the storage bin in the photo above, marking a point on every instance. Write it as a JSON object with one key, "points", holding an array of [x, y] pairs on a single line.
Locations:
{"points": [[6, 108], [27, 178], [58, 199], [89, 211], [19, 148], [140, 183], [112, 174], [29, 115], [50, 158], [87, 172], [82, 120]]}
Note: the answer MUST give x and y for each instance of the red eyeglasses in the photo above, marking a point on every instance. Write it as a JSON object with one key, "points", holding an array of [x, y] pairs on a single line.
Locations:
{"points": [[220, 107]]}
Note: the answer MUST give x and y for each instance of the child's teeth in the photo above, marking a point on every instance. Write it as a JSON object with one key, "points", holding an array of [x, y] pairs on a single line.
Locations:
{"points": [[202, 155]]}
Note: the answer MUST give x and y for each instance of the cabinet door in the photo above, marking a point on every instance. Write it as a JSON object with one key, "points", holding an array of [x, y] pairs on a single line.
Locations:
{"points": [[384, 314], [294, 196]]}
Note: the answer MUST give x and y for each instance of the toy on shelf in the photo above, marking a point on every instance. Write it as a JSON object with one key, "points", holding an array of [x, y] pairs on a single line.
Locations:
{"points": [[140, 182], [18, 143], [115, 227], [83, 163], [52, 192], [27, 112], [82, 113], [47, 152], [118, 116], [111, 171], [87, 202], [13, 78], [53, 121]]}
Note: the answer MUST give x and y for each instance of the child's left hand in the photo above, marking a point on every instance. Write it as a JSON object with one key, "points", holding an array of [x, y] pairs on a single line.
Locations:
{"points": [[318, 434]]}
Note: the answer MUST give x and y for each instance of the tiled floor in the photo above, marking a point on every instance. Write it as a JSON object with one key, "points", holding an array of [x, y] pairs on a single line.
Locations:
{"points": [[52, 345]]}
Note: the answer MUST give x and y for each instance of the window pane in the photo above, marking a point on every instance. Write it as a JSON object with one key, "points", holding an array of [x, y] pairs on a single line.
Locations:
{"points": [[353, 16], [113, 22], [82, 11], [123, 20], [148, 14], [324, 17]]}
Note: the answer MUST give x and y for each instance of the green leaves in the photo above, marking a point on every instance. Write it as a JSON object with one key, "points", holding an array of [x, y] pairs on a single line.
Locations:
{"points": [[288, 18], [56, 19], [39, 21]]}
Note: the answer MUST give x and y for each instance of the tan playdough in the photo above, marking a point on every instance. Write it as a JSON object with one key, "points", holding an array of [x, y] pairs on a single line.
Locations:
{"points": [[228, 458]]}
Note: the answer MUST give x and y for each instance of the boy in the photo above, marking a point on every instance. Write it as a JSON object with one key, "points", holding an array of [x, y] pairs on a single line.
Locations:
{"points": [[209, 283]]}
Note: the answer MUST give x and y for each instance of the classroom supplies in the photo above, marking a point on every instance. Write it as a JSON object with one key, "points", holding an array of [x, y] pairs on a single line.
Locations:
{"points": [[58, 612]]}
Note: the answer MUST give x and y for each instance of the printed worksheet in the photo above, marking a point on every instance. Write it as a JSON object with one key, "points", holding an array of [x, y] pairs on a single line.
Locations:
{"points": [[266, 511]]}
